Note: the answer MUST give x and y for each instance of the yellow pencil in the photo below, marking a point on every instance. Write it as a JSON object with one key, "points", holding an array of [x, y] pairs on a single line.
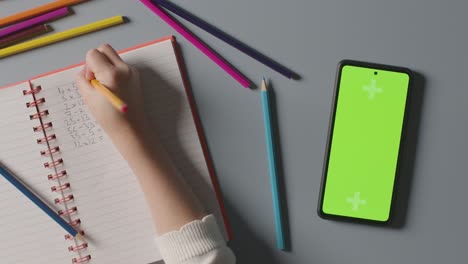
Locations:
{"points": [[67, 34], [113, 99]]}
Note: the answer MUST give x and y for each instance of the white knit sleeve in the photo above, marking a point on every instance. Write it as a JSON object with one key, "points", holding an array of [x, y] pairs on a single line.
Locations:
{"points": [[198, 242]]}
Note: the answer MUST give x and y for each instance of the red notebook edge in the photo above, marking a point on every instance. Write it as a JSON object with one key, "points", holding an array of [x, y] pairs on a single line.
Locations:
{"points": [[82, 63], [191, 99], [201, 136]]}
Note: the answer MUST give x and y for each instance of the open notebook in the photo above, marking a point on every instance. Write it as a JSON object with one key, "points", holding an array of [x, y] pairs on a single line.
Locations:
{"points": [[57, 148]]}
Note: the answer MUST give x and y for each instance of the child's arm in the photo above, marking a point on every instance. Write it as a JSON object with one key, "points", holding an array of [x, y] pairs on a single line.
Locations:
{"points": [[195, 238], [171, 202]]}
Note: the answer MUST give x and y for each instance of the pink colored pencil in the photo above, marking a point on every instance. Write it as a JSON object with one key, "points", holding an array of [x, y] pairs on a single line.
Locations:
{"points": [[203, 47], [34, 21]]}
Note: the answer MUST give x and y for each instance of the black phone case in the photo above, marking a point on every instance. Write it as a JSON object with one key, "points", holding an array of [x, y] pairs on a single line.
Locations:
{"points": [[370, 65]]}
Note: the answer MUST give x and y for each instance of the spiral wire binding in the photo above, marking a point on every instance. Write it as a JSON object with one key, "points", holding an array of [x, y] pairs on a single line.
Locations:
{"points": [[81, 259], [39, 115], [64, 200], [57, 176], [50, 151], [61, 187], [67, 211], [46, 139], [42, 127]]}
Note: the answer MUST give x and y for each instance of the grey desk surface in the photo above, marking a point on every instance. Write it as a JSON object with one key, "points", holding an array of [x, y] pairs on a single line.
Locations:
{"points": [[310, 37]]}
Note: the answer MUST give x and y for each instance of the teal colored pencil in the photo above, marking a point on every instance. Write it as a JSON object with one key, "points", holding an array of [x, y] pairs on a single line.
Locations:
{"points": [[267, 116]]}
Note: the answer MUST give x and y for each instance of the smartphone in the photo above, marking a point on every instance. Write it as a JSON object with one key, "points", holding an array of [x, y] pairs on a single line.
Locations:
{"points": [[365, 140]]}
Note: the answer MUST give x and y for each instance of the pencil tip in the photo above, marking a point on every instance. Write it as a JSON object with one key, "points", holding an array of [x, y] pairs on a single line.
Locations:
{"points": [[264, 85], [80, 237], [124, 109]]}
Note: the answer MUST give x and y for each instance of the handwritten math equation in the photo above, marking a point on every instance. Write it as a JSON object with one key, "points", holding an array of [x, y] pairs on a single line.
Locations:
{"points": [[82, 128]]}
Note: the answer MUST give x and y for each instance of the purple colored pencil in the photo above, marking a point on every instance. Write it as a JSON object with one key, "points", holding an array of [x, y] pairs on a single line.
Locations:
{"points": [[34, 21], [170, 6]]}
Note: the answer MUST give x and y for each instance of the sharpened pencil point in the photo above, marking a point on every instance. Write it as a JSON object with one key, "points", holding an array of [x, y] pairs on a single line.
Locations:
{"points": [[264, 85], [80, 237]]}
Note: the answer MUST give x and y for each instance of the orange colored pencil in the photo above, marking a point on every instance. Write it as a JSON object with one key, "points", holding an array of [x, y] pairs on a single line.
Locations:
{"points": [[37, 11], [113, 99]]}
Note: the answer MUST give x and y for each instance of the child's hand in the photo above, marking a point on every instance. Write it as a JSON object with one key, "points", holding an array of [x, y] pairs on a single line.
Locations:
{"points": [[171, 201], [105, 65]]}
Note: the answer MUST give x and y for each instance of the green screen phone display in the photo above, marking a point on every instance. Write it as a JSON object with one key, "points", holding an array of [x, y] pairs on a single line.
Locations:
{"points": [[364, 142]]}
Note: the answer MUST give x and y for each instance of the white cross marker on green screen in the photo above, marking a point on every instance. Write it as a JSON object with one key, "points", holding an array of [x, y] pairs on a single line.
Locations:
{"points": [[356, 201], [372, 89]]}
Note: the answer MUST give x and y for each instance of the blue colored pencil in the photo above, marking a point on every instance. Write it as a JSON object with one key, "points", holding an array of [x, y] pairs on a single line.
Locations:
{"points": [[226, 38], [267, 116], [59, 220]]}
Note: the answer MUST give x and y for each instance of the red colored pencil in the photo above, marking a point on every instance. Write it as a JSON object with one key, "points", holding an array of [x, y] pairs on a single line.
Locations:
{"points": [[23, 35]]}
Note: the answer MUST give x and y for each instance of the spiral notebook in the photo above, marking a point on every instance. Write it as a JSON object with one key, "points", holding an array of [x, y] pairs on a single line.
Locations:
{"points": [[52, 143]]}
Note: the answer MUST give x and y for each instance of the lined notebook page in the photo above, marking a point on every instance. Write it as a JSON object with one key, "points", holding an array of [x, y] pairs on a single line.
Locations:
{"points": [[110, 203], [27, 234]]}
